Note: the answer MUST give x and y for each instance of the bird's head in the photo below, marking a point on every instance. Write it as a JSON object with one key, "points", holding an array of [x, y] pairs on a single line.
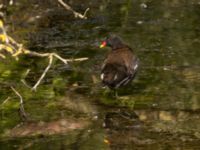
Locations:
{"points": [[112, 41]]}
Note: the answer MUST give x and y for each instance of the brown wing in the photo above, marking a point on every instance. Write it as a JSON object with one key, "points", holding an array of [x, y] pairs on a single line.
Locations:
{"points": [[119, 68]]}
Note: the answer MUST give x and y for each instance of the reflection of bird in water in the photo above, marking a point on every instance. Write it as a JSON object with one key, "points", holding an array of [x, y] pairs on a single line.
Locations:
{"points": [[121, 119], [120, 66]]}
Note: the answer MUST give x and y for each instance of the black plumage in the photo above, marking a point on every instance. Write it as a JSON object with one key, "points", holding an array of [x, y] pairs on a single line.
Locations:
{"points": [[121, 64]]}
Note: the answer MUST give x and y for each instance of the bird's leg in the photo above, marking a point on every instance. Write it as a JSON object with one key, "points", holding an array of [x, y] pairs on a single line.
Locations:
{"points": [[106, 91], [116, 94]]}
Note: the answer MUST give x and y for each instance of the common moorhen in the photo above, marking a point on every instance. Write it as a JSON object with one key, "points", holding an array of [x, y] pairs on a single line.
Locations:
{"points": [[120, 66]]}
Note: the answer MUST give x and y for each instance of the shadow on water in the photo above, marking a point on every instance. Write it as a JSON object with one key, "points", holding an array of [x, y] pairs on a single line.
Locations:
{"points": [[70, 110]]}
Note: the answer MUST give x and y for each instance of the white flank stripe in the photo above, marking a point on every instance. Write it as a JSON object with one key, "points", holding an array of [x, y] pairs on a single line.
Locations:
{"points": [[135, 67], [115, 77], [102, 76]]}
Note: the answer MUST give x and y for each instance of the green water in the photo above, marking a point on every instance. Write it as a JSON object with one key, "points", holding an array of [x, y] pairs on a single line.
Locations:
{"points": [[160, 110]]}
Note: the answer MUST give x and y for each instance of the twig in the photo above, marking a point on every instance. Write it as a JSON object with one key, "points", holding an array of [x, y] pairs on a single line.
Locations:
{"points": [[77, 59], [17, 93], [65, 61], [44, 73], [5, 101], [22, 112], [76, 14], [1, 107], [24, 82], [85, 13]]}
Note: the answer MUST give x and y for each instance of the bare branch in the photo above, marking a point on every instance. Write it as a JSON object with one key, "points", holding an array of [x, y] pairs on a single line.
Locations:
{"points": [[76, 14], [16, 49], [85, 13], [17, 93], [50, 56], [22, 112], [24, 82], [60, 58], [44, 73], [77, 59]]}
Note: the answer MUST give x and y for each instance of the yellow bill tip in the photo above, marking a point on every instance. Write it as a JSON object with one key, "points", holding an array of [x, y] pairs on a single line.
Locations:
{"points": [[103, 44]]}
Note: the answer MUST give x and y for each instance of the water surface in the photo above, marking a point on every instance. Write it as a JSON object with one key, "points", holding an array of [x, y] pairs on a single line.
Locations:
{"points": [[160, 110]]}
